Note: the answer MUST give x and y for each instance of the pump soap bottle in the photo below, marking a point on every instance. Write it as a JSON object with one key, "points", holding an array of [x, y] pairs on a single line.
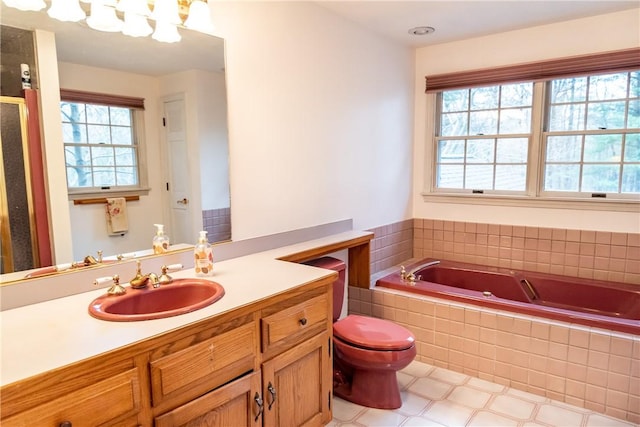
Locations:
{"points": [[160, 240], [203, 254]]}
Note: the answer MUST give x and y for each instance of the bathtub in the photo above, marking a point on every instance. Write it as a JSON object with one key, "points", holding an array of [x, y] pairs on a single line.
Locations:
{"points": [[607, 305]]}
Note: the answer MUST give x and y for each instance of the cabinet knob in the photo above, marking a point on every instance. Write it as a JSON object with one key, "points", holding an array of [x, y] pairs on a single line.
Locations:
{"points": [[303, 321], [65, 424]]}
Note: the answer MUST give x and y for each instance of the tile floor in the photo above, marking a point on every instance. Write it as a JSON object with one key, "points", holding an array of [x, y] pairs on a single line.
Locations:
{"points": [[434, 396]]}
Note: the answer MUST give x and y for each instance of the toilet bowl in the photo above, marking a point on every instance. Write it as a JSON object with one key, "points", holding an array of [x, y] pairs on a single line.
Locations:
{"points": [[367, 352]]}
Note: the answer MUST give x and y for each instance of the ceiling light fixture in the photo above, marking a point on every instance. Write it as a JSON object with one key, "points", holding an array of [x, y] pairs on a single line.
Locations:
{"points": [[69, 11], [421, 31], [26, 5], [106, 15]]}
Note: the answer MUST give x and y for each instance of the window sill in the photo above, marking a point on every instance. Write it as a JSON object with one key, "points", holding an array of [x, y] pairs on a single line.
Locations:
{"points": [[537, 202], [79, 195]]}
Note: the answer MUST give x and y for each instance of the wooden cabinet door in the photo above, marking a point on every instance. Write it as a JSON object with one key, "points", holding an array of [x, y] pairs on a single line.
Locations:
{"points": [[296, 385], [231, 405]]}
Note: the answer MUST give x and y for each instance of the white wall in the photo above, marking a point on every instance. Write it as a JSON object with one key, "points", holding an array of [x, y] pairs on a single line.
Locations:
{"points": [[614, 31], [89, 230], [213, 138], [320, 119]]}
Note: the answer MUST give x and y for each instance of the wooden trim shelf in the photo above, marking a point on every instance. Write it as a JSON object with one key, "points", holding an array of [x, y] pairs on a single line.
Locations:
{"points": [[100, 200]]}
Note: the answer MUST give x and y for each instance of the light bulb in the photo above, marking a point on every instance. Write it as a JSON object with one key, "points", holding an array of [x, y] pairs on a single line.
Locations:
{"points": [[103, 18], [166, 11], [166, 32], [66, 10], [136, 25], [26, 5], [199, 17]]}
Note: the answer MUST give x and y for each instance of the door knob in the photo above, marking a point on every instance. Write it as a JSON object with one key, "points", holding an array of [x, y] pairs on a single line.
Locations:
{"points": [[184, 201]]}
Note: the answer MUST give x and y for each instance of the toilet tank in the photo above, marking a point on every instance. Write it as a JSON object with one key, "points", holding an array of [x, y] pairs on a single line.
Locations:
{"points": [[334, 264]]}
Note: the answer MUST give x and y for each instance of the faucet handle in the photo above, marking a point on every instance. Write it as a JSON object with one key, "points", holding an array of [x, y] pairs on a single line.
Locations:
{"points": [[164, 277], [99, 256], [116, 289]]}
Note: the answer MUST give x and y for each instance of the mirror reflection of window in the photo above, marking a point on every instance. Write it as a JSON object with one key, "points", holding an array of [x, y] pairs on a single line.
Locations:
{"points": [[101, 142]]}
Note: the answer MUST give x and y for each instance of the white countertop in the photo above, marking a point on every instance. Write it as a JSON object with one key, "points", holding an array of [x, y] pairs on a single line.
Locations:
{"points": [[40, 337]]}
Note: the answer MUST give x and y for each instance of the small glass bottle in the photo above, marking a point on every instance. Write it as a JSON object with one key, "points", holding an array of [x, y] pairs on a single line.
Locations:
{"points": [[160, 240], [203, 256]]}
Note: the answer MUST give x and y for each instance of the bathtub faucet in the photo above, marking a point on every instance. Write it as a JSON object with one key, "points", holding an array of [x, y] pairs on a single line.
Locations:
{"points": [[411, 275], [420, 267]]}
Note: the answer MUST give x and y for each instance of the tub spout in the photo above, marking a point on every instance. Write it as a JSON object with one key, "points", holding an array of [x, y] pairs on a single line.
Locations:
{"points": [[420, 267]]}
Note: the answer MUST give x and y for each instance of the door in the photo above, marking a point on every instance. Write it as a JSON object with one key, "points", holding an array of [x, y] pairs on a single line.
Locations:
{"points": [[235, 404], [296, 385], [178, 186]]}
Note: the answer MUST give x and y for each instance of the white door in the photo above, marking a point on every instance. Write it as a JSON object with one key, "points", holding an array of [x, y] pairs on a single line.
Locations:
{"points": [[178, 185]]}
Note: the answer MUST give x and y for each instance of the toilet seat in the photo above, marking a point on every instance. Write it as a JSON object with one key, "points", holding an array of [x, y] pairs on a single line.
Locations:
{"points": [[373, 334]]}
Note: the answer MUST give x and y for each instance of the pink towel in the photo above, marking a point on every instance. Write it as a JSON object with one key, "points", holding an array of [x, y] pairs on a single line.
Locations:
{"points": [[117, 222]]}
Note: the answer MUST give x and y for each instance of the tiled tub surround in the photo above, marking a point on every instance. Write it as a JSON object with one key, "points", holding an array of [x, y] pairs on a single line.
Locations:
{"points": [[217, 224], [588, 367], [583, 366], [579, 253]]}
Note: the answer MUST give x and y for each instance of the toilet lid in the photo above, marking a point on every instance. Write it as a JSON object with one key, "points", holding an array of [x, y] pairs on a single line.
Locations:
{"points": [[372, 333]]}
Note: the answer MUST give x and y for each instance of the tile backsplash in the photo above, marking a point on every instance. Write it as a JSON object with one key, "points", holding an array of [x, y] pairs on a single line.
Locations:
{"points": [[217, 224], [580, 253]]}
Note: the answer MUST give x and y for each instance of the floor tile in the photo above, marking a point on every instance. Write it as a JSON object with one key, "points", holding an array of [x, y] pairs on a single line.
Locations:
{"points": [[556, 415], [380, 418], [412, 404], [345, 411], [485, 385], [512, 406], [597, 420], [404, 380], [437, 397], [430, 388], [448, 376], [489, 419], [467, 396], [421, 422], [448, 413]]}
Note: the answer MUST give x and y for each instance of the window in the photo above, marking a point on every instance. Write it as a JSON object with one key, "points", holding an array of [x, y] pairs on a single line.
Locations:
{"points": [[559, 135], [484, 137], [101, 142], [592, 140]]}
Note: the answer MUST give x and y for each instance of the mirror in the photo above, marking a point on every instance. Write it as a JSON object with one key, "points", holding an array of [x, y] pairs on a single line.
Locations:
{"points": [[190, 71]]}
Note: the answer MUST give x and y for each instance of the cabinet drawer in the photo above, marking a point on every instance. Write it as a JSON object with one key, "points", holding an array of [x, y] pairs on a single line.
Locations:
{"points": [[290, 324], [97, 404], [205, 365]]}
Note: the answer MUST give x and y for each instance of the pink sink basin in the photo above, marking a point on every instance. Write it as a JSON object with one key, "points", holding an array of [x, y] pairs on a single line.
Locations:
{"points": [[179, 297]]}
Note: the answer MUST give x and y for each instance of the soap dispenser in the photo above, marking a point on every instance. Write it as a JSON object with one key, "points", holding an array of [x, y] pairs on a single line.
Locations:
{"points": [[160, 240], [203, 256]]}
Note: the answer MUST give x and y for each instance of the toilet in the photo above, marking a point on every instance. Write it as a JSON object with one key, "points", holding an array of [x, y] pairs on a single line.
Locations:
{"points": [[367, 352]]}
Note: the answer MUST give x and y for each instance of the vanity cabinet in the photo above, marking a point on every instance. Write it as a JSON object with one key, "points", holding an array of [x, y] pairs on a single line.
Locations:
{"points": [[106, 395], [296, 387], [265, 364]]}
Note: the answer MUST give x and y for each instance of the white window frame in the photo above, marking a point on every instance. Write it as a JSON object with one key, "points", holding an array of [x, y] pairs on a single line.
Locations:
{"points": [[533, 196], [79, 193]]}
